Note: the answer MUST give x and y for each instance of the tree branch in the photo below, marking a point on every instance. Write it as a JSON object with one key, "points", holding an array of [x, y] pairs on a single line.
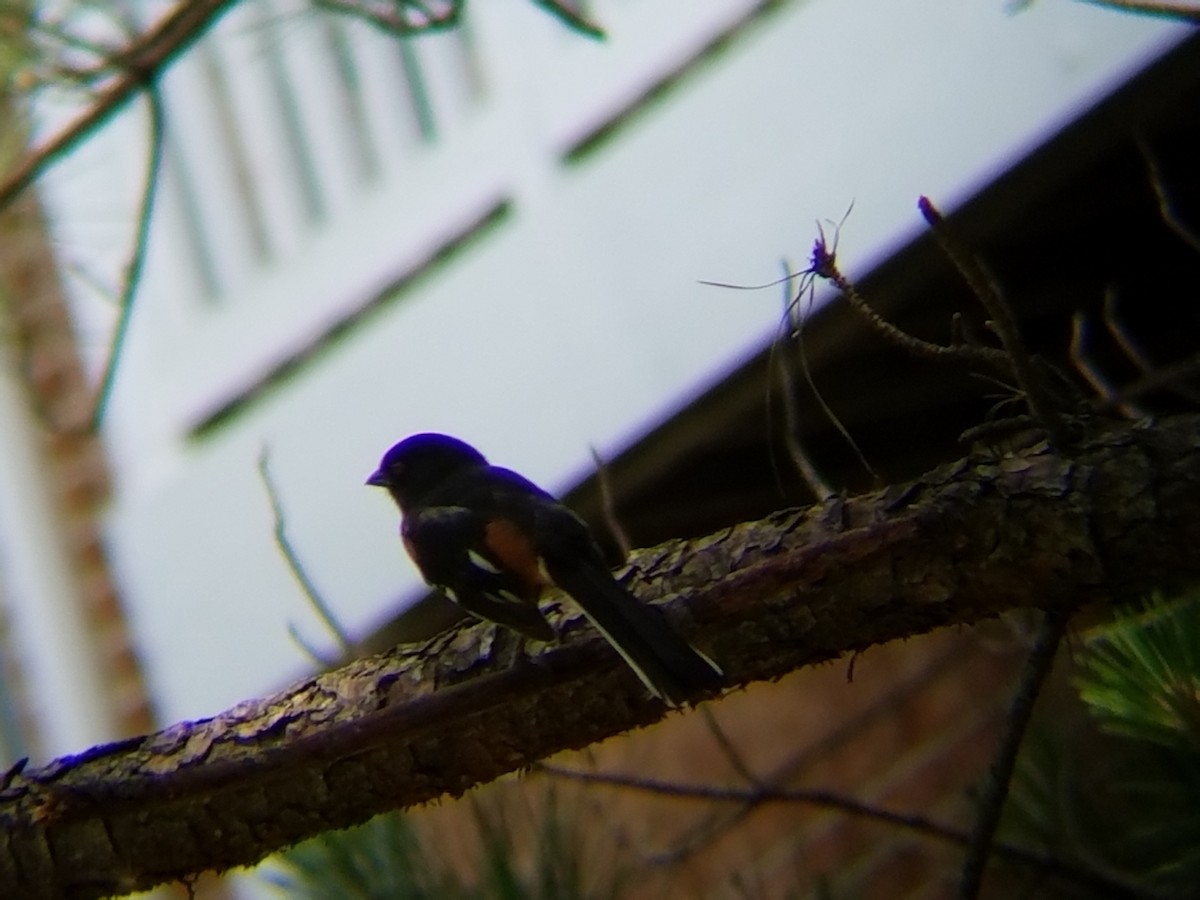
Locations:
{"points": [[1099, 883], [137, 258], [995, 788], [1002, 321], [143, 62], [1186, 10], [966, 541]]}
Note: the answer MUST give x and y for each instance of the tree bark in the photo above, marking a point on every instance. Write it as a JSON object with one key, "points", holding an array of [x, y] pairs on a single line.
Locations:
{"points": [[1117, 519]]}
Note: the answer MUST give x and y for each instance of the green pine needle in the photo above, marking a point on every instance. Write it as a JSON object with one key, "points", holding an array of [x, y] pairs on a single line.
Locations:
{"points": [[1140, 675]]}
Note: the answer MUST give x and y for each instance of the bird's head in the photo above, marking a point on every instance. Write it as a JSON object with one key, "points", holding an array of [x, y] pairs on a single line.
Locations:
{"points": [[421, 462]]}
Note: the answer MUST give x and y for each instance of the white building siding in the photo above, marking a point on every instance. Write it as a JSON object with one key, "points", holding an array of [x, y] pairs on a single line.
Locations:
{"points": [[574, 318]]}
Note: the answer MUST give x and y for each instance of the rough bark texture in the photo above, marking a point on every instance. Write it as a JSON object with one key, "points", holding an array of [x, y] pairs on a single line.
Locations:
{"points": [[967, 541]]}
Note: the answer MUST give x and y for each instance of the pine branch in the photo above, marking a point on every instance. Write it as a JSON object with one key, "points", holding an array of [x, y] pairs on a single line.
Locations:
{"points": [[965, 542]]}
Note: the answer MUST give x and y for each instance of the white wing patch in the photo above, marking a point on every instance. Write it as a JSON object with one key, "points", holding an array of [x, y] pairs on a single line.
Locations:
{"points": [[479, 561]]}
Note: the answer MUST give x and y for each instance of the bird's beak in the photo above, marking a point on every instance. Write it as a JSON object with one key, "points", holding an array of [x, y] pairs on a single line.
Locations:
{"points": [[377, 479]]}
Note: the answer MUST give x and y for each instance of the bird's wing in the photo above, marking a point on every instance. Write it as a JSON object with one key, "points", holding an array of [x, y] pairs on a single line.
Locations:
{"points": [[464, 555]]}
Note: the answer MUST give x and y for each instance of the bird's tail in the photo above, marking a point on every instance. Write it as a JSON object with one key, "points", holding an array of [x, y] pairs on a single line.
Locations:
{"points": [[667, 664]]}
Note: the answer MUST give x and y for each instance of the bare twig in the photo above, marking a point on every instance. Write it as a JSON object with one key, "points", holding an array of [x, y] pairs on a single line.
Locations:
{"points": [[294, 563], [571, 18], [1091, 373], [608, 505], [137, 258], [1002, 322], [703, 833], [143, 62], [791, 426], [995, 788], [1168, 9], [407, 18], [1119, 333], [1153, 377], [731, 752], [996, 430], [1168, 377], [403, 19], [1166, 209], [824, 265], [318, 659], [791, 431], [830, 800]]}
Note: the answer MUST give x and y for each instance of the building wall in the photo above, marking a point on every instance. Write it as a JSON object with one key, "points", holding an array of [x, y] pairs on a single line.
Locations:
{"points": [[908, 728], [301, 294]]}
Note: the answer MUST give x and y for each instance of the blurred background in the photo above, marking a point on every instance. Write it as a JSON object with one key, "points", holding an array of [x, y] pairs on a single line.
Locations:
{"points": [[318, 237]]}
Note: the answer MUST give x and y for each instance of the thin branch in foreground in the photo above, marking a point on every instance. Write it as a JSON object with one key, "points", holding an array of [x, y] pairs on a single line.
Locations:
{"points": [[571, 18], [1091, 373], [1166, 208], [608, 506], [137, 258], [791, 426], [403, 19], [995, 791], [1168, 9], [792, 325], [731, 752], [283, 542], [1119, 333], [1003, 323], [1138, 356], [144, 61], [1102, 884], [1166, 378]]}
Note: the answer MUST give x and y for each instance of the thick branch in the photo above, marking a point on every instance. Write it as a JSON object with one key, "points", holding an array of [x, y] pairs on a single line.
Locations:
{"points": [[965, 542]]}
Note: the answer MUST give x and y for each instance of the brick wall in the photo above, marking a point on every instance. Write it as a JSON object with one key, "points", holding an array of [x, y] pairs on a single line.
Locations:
{"points": [[910, 733]]}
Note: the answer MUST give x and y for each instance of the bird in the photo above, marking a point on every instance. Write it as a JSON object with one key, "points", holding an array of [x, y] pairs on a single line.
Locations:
{"points": [[491, 541]]}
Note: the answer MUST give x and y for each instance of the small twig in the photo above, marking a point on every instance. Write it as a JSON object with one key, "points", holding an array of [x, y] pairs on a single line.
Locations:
{"points": [[13, 771], [995, 788], [1168, 9], [962, 332], [1121, 335], [608, 506], [137, 258], [792, 324], [1091, 373], [791, 426], [293, 559], [1171, 378], [1166, 209], [571, 18], [992, 431], [404, 19], [1003, 323], [144, 61], [731, 752], [830, 800], [315, 656], [1166, 378], [824, 265], [704, 832]]}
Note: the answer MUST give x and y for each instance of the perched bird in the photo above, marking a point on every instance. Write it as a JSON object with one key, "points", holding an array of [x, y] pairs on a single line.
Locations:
{"points": [[491, 540]]}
